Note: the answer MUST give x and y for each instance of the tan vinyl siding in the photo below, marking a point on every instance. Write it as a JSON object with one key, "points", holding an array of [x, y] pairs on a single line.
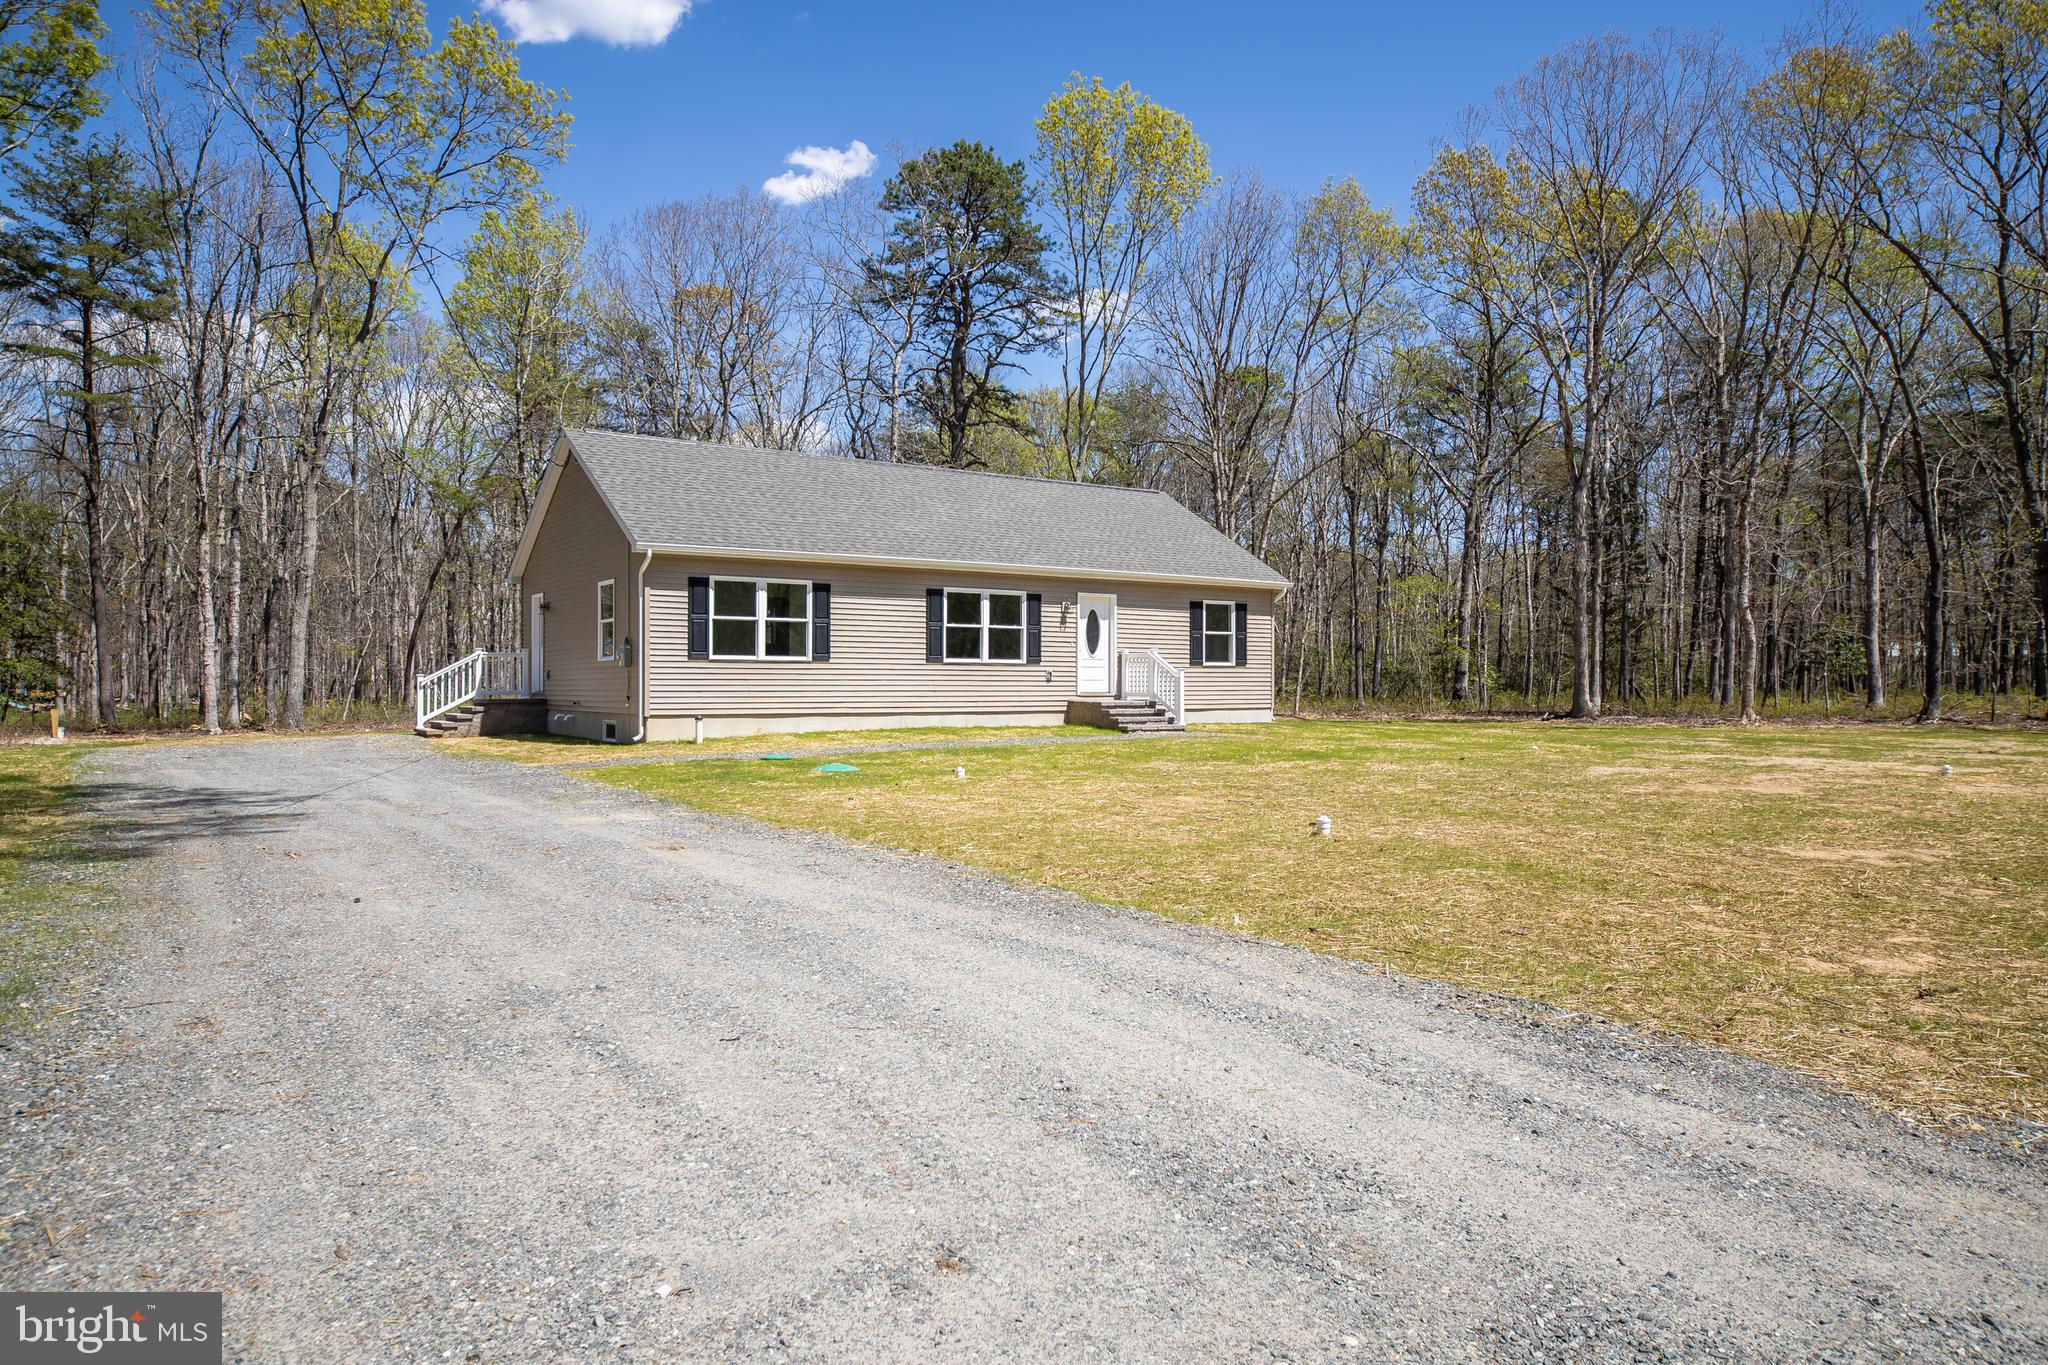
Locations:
{"points": [[577, 547], [1157, 618], [878, 662]]}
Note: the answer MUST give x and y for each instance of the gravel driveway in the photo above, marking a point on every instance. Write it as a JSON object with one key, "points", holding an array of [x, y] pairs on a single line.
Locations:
{"points": [[422, 1057]]}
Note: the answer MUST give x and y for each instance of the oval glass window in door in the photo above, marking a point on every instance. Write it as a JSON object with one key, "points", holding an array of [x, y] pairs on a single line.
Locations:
{"points": [[1094, 631]]}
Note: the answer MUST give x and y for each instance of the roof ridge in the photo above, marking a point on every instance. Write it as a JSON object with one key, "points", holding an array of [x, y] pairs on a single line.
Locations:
{"points": [[866, 464]]}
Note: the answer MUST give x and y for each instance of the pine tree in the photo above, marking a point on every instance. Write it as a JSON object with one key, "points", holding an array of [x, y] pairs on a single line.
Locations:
{"points": [[82, 252], [31, 616], [964, 248]]}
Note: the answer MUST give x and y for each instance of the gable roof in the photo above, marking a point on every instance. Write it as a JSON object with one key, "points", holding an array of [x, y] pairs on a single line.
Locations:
{"points": [[692, 497]]}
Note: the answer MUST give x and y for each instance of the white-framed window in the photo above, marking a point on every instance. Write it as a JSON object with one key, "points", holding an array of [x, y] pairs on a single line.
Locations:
{"points": [[760, 618], [984, 627], [607, 620], [1219, 633]]}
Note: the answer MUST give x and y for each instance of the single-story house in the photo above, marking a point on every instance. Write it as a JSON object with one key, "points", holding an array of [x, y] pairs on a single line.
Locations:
{"points": [[675, 590]]}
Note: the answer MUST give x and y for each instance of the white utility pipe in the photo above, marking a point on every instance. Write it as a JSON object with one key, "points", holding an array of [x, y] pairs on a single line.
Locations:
{"points": [[640, 653]]}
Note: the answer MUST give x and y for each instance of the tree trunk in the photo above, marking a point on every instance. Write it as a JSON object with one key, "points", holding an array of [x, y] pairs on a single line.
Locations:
{"points": [[1468, 592], [1355, 634], [1873, 595], [299, 646], [233, 658], [1933, 626], [95, 523], [96, 587], [1585, 694], [208, 624], [1745, 613], [1379, 595]]}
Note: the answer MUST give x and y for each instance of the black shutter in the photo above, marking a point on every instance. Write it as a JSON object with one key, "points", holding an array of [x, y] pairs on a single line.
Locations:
{"points": [[821, 621], [934, 625], [700, 618], [1244, 616], [1194, 632], [1033, 607]]}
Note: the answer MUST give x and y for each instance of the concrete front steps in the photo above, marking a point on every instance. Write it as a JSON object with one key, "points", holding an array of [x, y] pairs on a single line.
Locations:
{"points": [[466, 719], [1129, 717]]}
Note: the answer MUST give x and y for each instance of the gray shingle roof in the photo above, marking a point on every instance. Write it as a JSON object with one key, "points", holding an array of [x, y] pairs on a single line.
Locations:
{"points": [[691, 495]]}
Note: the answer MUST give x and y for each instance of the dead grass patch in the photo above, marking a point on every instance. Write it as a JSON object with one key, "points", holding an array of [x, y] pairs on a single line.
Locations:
{"points": [[1820, 898], [563, 749]]}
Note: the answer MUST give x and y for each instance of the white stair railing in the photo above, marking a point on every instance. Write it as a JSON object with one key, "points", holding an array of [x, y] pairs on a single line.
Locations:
{"points": [[1144, 674], [485, 673]]}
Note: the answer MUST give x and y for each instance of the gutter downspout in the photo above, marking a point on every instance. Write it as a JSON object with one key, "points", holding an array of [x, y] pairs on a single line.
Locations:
{"points": [[640, 657]]}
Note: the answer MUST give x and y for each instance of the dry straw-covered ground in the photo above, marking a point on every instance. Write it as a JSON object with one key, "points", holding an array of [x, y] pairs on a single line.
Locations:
{"points": [[1825, 898]]}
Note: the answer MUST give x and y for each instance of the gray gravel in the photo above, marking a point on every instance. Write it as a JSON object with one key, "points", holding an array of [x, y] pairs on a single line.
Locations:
{"points": [[421, 1058]]}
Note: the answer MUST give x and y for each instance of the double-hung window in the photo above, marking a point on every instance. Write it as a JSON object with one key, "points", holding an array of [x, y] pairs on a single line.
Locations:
{"points": [[760, 618], [984, 626], [607, 620], [1219, 633]]}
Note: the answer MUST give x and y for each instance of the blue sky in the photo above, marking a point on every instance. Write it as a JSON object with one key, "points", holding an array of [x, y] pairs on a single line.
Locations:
{"points": [[1301, 91]]}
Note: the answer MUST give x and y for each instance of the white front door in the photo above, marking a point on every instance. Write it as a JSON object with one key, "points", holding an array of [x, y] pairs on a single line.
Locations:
{"points": [[1094, 642], [536, 665]]}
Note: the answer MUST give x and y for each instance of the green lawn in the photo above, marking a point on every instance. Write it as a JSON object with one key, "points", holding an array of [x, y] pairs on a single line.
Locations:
{"points": [[1825, 898], [43, 912]]}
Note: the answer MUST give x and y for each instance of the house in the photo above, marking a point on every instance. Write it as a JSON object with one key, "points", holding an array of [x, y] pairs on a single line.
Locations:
{"points": [[677, 590]]}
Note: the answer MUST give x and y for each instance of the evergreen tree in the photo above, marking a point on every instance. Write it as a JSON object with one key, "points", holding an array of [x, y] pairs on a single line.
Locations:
{"points": [[82, 251], [30, 613], [963, 249]]}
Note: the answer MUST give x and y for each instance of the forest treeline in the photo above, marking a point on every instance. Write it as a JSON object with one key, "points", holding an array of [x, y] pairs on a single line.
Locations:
{"points": [[1681, 380]]}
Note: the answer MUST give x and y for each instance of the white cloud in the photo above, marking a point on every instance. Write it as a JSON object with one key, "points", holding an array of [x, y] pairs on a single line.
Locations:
{"points": [[622, 23], [819, 171]]}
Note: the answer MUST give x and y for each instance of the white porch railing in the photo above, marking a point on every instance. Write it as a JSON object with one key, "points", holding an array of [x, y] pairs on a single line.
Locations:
{"points": [[486, 673], [1145, 674]]}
